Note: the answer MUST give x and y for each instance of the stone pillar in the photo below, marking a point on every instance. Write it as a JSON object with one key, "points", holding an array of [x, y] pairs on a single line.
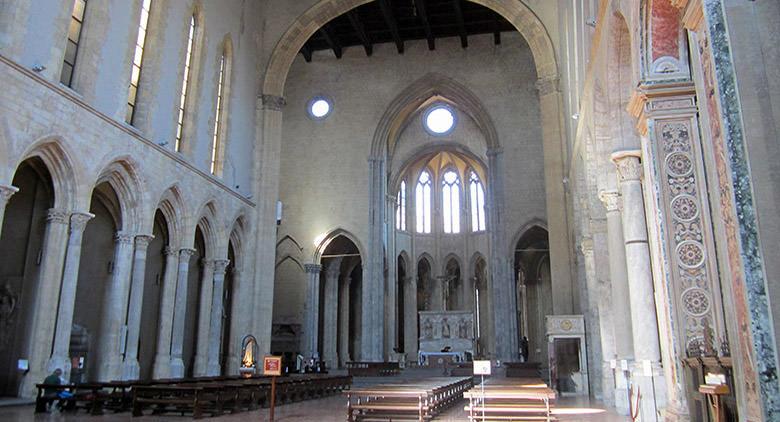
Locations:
{"points": [[6, 192], [373, 280], [204, 319], [217, 312], [646, 372], [601, 381], [239, 311], [344, 304], [131, 369], [114, 311], [162, 358], [620, 298], [60, 357], [44, 320], [410, 318], [311, 312], [330, 334], [180, 313]]}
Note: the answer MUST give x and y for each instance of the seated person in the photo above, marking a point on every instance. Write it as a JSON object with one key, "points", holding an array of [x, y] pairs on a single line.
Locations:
{"points": [[55, 393]]}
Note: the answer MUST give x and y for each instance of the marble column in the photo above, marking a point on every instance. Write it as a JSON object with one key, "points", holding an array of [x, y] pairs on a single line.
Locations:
{"points": [[217, 312], [239, 311], [330, 329], [60, 357], [131, 369], [344, 321], [112, 325], [646, 371], [620, 298], [204, 319], [6, 192], [180, 313], [44, 320], [311, 312], [162, 357]]}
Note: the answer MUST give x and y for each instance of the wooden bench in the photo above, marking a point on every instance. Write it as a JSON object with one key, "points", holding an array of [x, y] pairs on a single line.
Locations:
{"points": [[420, 400], [525, 399], [372, 369], [83, 396], [194, 398]]}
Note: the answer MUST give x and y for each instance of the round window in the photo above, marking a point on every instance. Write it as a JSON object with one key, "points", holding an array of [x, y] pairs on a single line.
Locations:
{"points": [[439, 120], [319, 107]]}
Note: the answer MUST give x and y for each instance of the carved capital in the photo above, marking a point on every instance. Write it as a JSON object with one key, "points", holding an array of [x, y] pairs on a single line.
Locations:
{"points": [[547, 85], [57, 216], [208, 265], [78, 221], [142, 241], [611, 200], [629, 165], [170, 251], [312, 268], [185, 254], [220, 265], [273, 102], [587, 247], [6, 192], [122, 238]]}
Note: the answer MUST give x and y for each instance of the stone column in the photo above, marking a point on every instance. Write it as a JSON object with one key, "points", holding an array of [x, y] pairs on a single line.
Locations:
{"points": [[6, 192], [620, 298], [330, 334], [114, 311], [131, 369], [344, 321], [410, 318], [373, 280], [60, 357], [162, 358], [238, 312], [44, 320], [180, 313], [601, 381], [217, 311], [646, 371], [311, 312], [204, 319]]}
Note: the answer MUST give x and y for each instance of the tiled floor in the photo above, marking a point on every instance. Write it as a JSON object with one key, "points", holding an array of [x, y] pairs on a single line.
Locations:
{"points": [[330, 409]]}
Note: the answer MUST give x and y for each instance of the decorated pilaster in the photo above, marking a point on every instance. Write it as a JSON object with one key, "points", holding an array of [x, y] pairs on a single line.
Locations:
{"points": [[329, 339], [60, 357], [162, 358], [311, 312], [6, 192], [217, 314], [131, 369], [112, 325], [204, 318], [646, 372], [180, 313]]}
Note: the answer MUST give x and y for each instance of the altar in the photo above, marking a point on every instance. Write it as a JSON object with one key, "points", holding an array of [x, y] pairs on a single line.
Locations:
{"points": [[445, 337]]}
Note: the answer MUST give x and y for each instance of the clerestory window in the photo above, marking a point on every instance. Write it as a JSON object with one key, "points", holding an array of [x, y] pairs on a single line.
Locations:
{"points": [[451, 202], [400, 208], [138, 57], [74, 38], [477, 194], [423, 203], [185, 83]]}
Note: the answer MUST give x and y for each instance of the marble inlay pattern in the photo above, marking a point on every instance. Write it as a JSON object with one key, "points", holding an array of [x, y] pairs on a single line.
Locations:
{"points": [[756, 343]]}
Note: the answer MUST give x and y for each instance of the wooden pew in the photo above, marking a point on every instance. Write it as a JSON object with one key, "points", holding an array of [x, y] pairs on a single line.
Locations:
{"points": [[85, 396], [372, 369], [526, 399]]}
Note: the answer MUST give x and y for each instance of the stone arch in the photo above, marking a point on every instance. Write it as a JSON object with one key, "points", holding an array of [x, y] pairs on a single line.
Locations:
{"points": [[237, 238], [122, 175], [404, 257], [291, 258], [528, 226], [331, 236], [171, 205], [518, 14], [450, 257], [53, 154], [208, 222]]}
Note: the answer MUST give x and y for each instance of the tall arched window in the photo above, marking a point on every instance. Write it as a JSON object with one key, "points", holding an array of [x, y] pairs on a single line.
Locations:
{"points": [[423, 203], [217, 149], [477, 203], [451, 201], [185, 82], [138, 57], [400, 208], [74, 38]]}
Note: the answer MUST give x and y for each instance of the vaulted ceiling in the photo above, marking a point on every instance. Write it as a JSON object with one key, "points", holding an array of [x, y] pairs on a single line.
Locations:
{"points": [[398, 21]]}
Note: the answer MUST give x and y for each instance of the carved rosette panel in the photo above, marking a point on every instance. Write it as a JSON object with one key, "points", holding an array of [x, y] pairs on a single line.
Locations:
{"points": [[688, 234]]}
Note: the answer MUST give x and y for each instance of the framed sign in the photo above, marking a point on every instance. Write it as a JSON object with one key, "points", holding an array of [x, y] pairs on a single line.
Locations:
{"points": [[481, 367], [272, 365]]}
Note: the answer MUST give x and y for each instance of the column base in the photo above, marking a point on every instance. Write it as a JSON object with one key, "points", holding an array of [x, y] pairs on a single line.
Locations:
{"points": [[607, 382], [162, 367], [131, 369], [177, 367], [651, 386], [622, 405]]}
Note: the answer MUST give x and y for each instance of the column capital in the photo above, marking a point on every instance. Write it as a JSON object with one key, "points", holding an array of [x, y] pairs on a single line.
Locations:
{"points": [[312, 268], [220, 265], [547, 85], [273, 102], [78, 221], [629, 164], [124, 238], [186, 253], [7, 192], [57, 216], [587, 246], [142, 241], [494, 152], [611, 200], [170, 251]]}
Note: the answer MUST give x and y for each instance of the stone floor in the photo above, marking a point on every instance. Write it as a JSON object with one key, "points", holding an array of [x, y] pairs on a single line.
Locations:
{"points": [[330, 409]]}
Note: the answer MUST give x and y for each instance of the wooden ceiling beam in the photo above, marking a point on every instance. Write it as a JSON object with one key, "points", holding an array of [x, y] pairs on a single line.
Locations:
{"points": [[464, 39], [332, 41], [387, 13], [360, 29], [420, 4]]}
